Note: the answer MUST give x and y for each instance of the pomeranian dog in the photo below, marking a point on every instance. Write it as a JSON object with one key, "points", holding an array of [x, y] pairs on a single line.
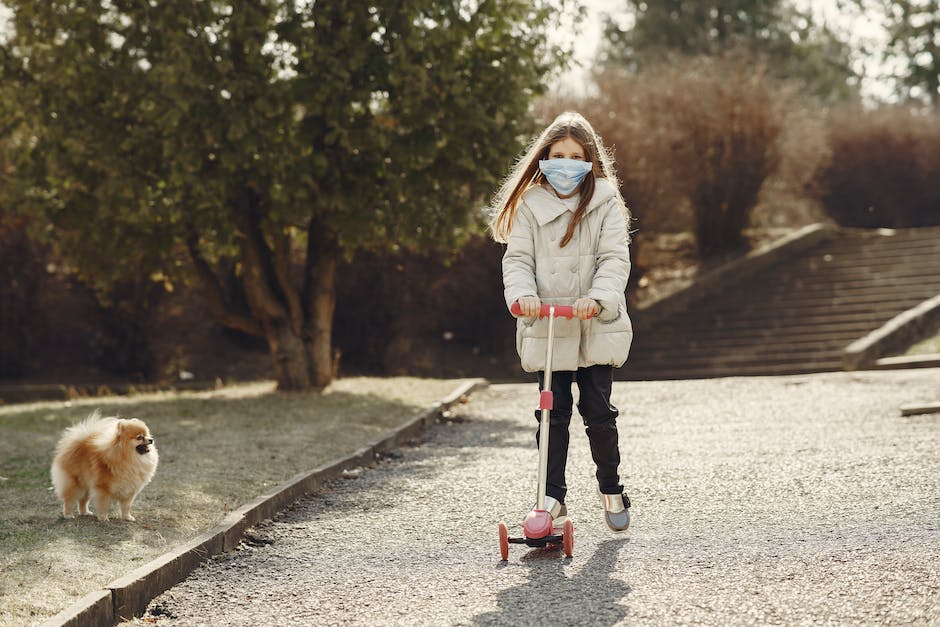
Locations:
{"points": [[103, 460]]}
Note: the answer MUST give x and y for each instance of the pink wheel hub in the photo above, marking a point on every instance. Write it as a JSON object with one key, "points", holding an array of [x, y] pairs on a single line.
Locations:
{"points": [[537, 524]]}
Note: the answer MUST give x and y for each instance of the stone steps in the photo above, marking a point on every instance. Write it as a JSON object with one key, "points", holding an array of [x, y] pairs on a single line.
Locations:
{"points": [[797, 315]]}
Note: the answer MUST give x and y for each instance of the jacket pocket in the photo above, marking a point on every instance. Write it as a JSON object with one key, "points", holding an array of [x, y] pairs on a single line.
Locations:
{"points": [[617, 316], [609, 342]]}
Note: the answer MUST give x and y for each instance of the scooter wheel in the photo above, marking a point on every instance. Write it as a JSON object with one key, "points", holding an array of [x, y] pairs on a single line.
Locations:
{"points": [[503, 541], [567, 538]]}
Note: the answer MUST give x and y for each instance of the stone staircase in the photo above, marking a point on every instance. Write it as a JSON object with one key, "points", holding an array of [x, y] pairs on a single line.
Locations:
{"points": [[796, 315]]}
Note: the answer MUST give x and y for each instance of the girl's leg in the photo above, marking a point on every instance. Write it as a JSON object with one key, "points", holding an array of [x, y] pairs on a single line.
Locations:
{"points": [[559, 419], [600, 421]]}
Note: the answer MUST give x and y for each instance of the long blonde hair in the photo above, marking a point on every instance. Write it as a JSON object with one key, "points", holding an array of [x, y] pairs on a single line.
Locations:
{"points": [[526, 174]]}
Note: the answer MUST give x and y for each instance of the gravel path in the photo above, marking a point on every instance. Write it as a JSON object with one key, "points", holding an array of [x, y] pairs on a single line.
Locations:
{"points": [[777, 500]]}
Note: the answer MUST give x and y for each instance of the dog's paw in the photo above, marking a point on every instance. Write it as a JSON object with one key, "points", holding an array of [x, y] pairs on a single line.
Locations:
{"points": [[129, 518]]}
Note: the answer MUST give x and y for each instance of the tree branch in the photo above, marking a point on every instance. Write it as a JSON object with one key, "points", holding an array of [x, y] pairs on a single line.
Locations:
{"points": [[10, 63], [259, 274], [282, 265], [215, 295]]}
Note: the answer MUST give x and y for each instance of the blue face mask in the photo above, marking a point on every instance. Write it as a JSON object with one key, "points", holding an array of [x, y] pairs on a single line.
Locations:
{"points": [[564, 174]]}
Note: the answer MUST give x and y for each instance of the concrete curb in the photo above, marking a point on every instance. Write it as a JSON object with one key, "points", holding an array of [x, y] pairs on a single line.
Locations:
{"points": [[920, 408], [732, 273], [904, 327], [128, 596], [930, 360]]}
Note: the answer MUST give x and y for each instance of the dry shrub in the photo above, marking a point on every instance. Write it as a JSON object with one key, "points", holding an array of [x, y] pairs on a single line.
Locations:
{"points": [[787, 200], [54, 326], [21, 279], [122, 346], [425, 313], [884, 169], [727, 120], [694, 142]]}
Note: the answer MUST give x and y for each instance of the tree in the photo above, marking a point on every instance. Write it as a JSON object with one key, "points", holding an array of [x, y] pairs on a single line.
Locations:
{"points": [[691, 28], [914, 38], [786, 39], [279, 135]]}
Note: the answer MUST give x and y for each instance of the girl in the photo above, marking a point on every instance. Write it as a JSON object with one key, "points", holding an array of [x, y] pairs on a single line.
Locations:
{"points": [[564, 224]]}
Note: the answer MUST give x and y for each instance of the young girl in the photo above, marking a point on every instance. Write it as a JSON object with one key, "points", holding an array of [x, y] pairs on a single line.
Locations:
{"points": [[564, 222]]}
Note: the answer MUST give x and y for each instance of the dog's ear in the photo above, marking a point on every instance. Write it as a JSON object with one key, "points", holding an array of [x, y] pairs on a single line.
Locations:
{"points": [[121, 423]]}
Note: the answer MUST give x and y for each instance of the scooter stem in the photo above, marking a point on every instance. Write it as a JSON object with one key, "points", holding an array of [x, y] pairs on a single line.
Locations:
{"points": [[546, 412]]}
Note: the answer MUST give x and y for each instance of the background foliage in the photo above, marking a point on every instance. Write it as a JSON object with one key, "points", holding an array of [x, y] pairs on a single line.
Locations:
{"points": [[884, 168], [142, 143], [786, 40], [161, 140]]}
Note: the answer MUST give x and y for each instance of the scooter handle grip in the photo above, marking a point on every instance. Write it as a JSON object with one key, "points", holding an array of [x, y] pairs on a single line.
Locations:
{"points": [[561, 311]]}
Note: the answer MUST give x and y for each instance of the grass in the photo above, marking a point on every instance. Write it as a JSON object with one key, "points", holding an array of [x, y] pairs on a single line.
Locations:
{"points": [[217, 450], [930, 345]]}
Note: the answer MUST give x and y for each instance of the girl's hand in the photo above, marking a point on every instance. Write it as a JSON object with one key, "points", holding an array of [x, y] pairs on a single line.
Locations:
{"points": [[530, 306], [585, 308]]}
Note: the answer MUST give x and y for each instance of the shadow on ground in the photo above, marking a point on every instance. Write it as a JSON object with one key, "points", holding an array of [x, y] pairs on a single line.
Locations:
{"points": [[591, 596]]}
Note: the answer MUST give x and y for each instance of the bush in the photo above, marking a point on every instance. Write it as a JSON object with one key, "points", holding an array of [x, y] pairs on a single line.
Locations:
{"points": [[425, 313], [727, 121], [53, 326], [694, 144], [884, 169], [786, 199], [122, 343], [21, 278]]}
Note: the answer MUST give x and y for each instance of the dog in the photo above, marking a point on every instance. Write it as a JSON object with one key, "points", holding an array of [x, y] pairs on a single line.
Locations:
{"points": [[103, 460]]}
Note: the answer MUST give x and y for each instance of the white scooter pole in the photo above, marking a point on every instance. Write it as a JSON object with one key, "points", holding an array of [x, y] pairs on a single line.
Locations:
{"points": [[545, 404]]}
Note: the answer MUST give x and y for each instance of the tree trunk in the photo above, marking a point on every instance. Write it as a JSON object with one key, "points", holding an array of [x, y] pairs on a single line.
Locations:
{"points": [[288, 355], [320, 303], [298, 327], [269, 297]]}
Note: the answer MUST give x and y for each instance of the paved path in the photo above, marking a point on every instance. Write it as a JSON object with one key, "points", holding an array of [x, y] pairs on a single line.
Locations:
{"points": [[783, 500]]}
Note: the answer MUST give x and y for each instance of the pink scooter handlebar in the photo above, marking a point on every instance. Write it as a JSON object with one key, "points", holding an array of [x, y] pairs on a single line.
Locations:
{"points": [[561, 311]]}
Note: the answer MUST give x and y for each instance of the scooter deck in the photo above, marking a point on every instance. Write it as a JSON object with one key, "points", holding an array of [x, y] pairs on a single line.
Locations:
{"points": [[538, 542], [557, 537]]}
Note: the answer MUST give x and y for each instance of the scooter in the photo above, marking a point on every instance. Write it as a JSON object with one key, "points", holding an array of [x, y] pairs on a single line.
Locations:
{"points": [[538, 527]]}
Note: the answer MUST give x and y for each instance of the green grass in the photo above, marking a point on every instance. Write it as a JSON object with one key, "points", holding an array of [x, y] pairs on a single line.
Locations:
{"points": [[217, 451], [928, 346]]}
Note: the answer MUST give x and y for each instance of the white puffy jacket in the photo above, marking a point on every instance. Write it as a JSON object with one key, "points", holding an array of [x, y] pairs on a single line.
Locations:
{"points": [[594, 264]]}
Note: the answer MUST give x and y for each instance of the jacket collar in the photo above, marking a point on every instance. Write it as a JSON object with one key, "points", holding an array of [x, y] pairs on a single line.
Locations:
{"points": [[546, 205]]}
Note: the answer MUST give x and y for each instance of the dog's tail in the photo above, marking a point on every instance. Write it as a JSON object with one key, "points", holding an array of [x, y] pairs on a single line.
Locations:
{"points": [[93, 426]]}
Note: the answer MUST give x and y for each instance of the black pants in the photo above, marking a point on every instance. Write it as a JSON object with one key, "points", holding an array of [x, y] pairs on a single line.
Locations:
{"points": [[600, 422]]}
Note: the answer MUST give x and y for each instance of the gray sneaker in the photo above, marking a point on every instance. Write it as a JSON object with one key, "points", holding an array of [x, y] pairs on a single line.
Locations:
{"points": [[616, 511]]}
